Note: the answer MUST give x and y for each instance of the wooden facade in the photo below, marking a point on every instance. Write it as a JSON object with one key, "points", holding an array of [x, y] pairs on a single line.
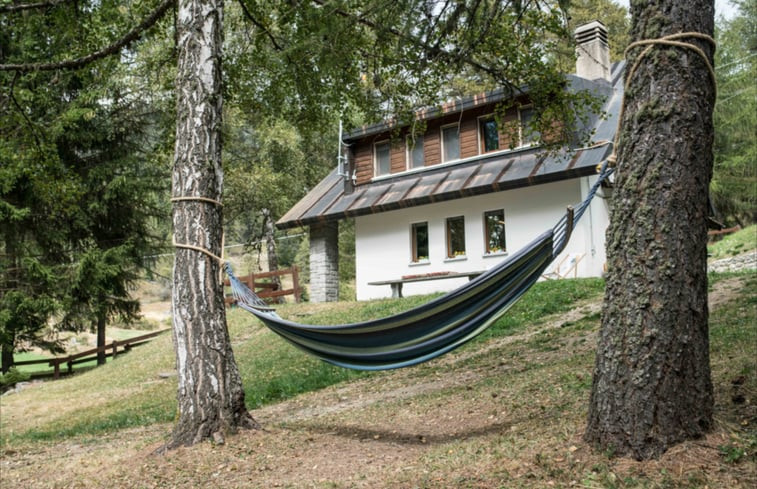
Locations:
{"points": [[363, 159]]}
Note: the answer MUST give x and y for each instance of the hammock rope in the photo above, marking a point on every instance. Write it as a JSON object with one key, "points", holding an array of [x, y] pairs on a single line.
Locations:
{"points": [[430, 330]]}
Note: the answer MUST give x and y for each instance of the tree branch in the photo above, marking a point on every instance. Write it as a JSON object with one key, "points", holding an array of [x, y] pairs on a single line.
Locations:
{"points": [[259, 25], [431, 51], [10, 8], [73, 64]]}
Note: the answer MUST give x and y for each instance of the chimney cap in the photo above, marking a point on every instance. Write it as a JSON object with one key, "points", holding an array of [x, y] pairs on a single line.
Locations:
{"points": [[594, 30]]}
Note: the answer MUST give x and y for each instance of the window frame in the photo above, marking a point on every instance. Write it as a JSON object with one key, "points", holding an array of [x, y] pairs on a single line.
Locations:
{"points": [[481, 136], [415, 258], [441, 142], [487, 249], [450, 252], [411, 144], [522, 143], [376, 168]]}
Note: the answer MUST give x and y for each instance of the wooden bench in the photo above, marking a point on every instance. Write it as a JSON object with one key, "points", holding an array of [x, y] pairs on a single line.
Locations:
{"points": [[397, 284]]}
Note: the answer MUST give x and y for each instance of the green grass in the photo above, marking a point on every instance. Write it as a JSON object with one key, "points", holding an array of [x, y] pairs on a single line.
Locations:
{"points": [[734, 244], [129, 393]]}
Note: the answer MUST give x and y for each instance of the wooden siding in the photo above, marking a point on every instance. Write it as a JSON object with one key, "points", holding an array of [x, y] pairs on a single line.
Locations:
{"points": [[470, 142], [469, 137], [363, 163], [398, 163], [432, 146]]}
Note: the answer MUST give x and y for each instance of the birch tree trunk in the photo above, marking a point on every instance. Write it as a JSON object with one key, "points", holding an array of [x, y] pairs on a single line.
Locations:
{"points": [[210, 395], [652, 385]]}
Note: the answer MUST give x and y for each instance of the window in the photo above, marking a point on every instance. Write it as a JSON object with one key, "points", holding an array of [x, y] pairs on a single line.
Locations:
{"points": [[528, 133], [382, 158], [419, 238], [489, 135], [494, 231], [455, 237], [451, 143], [415, 158]]}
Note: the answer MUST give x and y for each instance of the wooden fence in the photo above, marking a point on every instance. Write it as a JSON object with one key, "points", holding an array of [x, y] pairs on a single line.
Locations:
{"points": [[89, 355], [265, 288]]}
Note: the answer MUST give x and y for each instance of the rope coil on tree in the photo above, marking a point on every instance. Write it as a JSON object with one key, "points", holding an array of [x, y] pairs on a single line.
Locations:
{"points": [[669, 40], [209, 253]]}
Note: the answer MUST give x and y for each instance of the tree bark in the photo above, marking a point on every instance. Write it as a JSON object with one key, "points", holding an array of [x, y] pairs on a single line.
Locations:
{"points": [[652, 385], [6, 357], [101, 321], [210, 395]]}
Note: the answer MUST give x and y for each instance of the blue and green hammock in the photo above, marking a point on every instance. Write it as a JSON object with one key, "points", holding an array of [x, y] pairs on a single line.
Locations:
{"points": [[437, 327]]}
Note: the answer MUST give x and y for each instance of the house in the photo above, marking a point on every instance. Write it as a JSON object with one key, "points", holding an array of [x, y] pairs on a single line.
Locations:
{"points": [[458, 198]]}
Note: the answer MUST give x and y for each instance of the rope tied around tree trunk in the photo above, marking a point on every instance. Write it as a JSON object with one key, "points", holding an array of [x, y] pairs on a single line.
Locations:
{"points": [[669, 40], [209, 253]]}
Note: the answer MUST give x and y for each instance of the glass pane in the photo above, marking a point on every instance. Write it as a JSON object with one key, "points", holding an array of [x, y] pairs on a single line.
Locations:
{"points": [[528, 132], [416, 152], [455, 237], [490, 135], [420, 241], [451, 143], [495, 231], [383, 165]]}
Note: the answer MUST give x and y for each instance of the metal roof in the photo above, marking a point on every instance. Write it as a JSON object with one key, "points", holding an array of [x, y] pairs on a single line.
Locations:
{"points": [[491, 172]]}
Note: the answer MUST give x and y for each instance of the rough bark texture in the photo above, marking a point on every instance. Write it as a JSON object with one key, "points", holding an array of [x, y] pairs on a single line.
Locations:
{"points": [[6, 357], [100, 327], [210, 395], [652, 385]]}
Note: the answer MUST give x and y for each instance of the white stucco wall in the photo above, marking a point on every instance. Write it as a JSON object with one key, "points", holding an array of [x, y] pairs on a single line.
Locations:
{"points": [[383, 241]]}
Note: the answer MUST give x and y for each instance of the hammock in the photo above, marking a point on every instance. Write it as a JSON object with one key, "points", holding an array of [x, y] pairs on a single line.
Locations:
{"points": [[437, 327]]}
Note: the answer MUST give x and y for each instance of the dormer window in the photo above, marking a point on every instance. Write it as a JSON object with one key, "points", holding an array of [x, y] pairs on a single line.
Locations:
{"points": [[415, 155], [382, 162], [451, 143], [489, 134], [528, 133]]}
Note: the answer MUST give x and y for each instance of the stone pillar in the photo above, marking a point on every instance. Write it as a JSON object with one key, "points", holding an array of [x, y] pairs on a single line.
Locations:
{"points": [[324, 262]]}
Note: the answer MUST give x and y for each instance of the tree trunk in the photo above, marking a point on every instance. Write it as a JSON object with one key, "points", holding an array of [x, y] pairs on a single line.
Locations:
{"points": [[652, 385], [6, 357], [101, 321], [210, 395], [270, 243]]}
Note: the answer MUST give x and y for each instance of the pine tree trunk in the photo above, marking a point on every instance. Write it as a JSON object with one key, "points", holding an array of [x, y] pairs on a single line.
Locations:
{"points": [[6, 357], [652, 385], [210, 395], [101, 321]]}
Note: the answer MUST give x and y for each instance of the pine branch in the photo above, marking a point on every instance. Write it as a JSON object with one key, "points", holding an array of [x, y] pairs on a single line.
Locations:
{"points": [[73, 64]]}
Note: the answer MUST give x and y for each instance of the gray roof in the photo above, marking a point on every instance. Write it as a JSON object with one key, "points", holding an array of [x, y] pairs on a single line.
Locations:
{"points": [[491, 172]]}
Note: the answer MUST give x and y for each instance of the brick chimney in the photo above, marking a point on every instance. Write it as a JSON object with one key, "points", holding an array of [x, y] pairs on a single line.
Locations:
{"points": [[593, 52]]}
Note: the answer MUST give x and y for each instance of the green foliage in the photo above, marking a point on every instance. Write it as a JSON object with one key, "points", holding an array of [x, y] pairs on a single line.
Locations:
{"points": [[82, 165], [13, 376], [734, 183]]}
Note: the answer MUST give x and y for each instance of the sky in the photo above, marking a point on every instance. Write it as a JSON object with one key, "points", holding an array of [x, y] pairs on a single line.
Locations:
{"points": [[726, 8]]}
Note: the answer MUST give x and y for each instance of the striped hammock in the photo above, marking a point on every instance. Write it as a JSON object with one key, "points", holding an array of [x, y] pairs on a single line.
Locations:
{"points": [[437, 327]]}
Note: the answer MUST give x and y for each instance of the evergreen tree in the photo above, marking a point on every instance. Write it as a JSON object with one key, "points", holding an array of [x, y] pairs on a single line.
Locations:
{"points": [[734, 183], [652, 385]]}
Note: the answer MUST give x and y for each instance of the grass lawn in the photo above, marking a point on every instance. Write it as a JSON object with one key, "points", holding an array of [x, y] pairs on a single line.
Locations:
{"points": [[507, 410]]}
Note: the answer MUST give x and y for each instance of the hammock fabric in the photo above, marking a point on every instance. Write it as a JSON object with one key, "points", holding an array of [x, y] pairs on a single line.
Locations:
{"points": [[428, 331]]}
